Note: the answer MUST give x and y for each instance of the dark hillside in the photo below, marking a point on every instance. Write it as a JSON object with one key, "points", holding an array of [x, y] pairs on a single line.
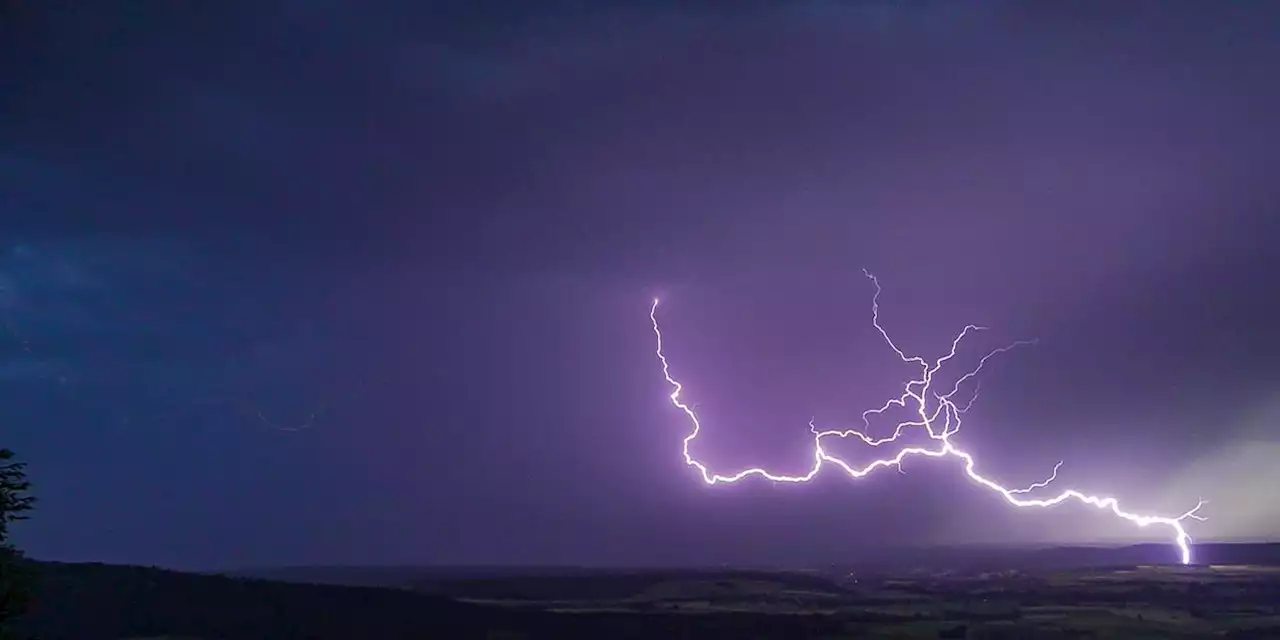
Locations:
{"points": [[611, 585], [89, 601], [101, 602]]}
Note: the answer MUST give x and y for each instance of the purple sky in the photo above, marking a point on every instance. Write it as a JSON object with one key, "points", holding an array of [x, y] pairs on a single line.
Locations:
{"points": [[438, 226]]}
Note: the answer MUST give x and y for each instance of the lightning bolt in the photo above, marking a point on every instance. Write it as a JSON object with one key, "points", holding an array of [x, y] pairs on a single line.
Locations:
{"points": [[942, 422]]}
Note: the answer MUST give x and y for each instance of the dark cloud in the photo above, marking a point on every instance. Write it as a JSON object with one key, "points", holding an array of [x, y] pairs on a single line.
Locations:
{"points": [[442, 222]]}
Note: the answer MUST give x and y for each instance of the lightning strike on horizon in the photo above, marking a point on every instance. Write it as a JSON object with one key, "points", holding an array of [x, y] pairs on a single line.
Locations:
{"points": [[915, 394]]}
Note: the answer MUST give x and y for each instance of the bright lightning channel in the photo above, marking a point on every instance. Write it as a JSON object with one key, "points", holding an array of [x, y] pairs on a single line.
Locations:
{"points": [[946, 411]]}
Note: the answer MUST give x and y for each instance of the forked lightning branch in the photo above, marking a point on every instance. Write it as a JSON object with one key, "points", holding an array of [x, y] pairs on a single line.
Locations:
{"points": [[939, 422]]}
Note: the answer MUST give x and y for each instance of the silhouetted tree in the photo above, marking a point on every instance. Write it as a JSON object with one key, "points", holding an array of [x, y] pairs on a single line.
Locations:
{"points": [[15, 502]]}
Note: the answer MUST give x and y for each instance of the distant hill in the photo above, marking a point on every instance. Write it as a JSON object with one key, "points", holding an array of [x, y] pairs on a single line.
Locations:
{"points": [[980, 558], [92, 601], [402, 576], [537, 583], [972, 558], [612, 585], [101, 602]]}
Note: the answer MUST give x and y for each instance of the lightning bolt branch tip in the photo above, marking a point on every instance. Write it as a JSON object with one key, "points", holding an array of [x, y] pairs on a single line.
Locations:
{"points": [[310, 422], [940, 423]]}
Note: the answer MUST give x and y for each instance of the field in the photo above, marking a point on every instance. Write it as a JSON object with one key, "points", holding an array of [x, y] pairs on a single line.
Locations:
{"points": [[1024, 597], [1132, 602]]}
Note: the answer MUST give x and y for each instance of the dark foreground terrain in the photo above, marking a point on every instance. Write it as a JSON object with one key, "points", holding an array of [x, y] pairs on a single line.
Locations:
{"points": [[994, 600]]}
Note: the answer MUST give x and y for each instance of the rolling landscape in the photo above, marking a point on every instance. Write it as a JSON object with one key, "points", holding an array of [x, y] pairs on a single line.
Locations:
{"points": [[1046, 593]]}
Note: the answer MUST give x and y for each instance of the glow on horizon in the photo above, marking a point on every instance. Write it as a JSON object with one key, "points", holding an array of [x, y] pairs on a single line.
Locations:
{"points": [[948, 412]]}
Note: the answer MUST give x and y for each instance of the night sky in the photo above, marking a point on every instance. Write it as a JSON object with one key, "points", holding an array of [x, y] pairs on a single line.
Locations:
{"points": [[291, 282]]}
